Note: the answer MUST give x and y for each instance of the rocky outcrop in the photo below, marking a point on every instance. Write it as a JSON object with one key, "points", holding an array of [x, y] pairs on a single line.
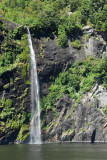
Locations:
{"points": [[81, 122], [51, 59]]}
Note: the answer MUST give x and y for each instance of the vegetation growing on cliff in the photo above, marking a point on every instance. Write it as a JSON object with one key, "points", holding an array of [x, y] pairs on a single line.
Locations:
{"points": [[14, 81], [61, 17], [76, 81], [45, 17]]}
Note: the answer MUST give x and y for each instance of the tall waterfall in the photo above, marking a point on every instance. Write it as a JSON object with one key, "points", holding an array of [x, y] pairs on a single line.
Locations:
{"points": [[35, 131]]}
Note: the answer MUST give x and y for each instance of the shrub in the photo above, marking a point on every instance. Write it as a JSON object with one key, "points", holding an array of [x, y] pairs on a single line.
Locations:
{"points": [[76, 81], [76, 44], [62, 37]]}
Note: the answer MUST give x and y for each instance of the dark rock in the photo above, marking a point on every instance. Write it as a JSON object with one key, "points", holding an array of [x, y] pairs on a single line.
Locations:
{"points": [[83, 122], [93, 136], [9, 137], [51, 59]]}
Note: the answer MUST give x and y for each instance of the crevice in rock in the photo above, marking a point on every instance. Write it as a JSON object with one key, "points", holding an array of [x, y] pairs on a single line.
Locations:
{"points": [[93, 136]]}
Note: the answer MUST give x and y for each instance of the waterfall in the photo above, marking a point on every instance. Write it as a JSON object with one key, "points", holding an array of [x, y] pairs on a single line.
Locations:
{"points": [[35, 131]]}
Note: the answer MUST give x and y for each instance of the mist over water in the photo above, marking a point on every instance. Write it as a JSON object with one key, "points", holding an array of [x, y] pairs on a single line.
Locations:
{"points": [[35, 131]]}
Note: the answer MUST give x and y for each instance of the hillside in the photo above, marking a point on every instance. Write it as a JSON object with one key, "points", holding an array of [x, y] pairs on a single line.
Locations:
{"points": [[14, 81], [56, 17], [70, 43]]}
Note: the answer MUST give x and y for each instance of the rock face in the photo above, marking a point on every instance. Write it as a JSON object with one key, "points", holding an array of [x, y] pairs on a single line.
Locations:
{"points": [[51, 59], [14, 88], [82, 121]]}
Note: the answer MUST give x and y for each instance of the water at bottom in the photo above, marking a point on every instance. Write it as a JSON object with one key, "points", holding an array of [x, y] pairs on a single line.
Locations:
{"points": [[63, 151]]}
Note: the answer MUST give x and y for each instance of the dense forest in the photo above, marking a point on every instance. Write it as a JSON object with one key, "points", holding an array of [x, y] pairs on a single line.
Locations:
{"points": [[61, 17]]}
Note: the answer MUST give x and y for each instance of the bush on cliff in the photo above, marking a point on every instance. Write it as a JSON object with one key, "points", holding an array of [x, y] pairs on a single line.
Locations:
{"points": [[47, 15], [76, 81]]}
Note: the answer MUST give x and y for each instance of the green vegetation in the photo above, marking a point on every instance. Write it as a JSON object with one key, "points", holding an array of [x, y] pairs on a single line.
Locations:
{"points": [[7, 111], [48, 18], [15, 51], [76, 44], [61, 17], [62, 37], [76, 81], [68, 132], [50, 124], [24, 94], [25, 57], [11, 51], [6, 86], [105, 109], [24, 132], [14, 60], [13, 118], [82, 130]]}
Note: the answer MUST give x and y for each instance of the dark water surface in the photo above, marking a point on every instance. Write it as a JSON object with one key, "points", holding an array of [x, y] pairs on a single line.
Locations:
{"points": [[54, 152]]}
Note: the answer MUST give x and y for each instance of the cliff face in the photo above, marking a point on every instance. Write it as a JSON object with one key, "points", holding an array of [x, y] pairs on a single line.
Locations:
{"points": [[83, 121], [72, 120], [51, 59], [14, 82], [73, 113]]}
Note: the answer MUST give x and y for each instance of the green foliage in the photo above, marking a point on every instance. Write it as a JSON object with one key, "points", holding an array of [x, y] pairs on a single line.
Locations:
{"points": [[6, 86], [24, 132], [105, 109], [24, 70], [11, 81], [24, 94], [82, 130], [68, 132], [4, 115], [75, 4], [62, 37], [27, 82], [76, 81], [10, 53], [3, 26], [14, 57], [25, 57], [7, 108], [74, 23], [13, 120], [61, 17], [76, 44], [25, 53], [8, 103], [15, 51]]}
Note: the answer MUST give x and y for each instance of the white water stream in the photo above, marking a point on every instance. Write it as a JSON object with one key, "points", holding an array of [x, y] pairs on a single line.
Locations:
{"points": [[35, 129]]}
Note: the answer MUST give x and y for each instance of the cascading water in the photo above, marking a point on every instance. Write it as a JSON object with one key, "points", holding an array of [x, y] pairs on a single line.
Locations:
{"points": [[35, 131]]}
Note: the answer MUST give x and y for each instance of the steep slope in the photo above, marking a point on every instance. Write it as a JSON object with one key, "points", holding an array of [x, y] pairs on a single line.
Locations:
{"points": [[73, 82], [72, 97], [14, 81]]}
